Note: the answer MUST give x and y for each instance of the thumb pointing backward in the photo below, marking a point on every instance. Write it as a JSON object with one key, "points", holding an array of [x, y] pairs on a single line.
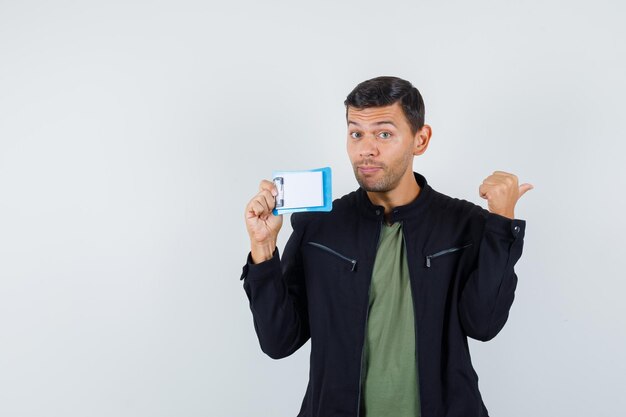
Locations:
{"points": [[523, 188]]}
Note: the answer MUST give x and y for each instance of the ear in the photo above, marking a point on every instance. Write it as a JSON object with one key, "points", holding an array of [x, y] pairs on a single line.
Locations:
{"points": [[421, 139]]}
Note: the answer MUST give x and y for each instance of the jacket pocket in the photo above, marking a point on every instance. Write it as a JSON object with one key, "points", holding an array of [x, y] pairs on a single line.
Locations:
{"points": [[353, 262], [445, 252]]}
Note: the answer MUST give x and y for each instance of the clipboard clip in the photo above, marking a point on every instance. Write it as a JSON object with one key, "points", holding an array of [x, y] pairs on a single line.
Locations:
{"points": [[279, 182]]}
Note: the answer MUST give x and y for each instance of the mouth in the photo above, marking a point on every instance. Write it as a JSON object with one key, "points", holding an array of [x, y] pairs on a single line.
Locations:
{"points": [[369, 169]]}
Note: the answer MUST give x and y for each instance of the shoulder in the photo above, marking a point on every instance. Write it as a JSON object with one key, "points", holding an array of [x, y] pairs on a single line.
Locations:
{"points": [[457, 208], [459, 214]]}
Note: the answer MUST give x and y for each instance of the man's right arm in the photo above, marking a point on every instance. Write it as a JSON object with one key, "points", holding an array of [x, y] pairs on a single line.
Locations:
{"points": [[275, 288]]}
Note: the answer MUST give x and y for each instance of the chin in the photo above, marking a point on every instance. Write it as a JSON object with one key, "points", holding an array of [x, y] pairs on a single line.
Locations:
{"points": [[381, 184], [373, 186]]}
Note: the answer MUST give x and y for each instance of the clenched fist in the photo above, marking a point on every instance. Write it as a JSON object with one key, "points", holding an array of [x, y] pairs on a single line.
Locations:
{"points": [[501, 191], [262, 225]]}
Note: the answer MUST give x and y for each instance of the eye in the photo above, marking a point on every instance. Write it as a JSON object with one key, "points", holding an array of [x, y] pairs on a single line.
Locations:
{"points": [[355, 135], [384, 135]]}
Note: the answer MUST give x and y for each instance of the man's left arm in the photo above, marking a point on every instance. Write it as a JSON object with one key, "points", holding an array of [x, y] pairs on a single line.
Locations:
{"points": [[488, 293]]}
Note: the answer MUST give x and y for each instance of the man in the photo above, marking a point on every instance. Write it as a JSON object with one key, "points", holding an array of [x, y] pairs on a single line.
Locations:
{"points": [[390, 283]]}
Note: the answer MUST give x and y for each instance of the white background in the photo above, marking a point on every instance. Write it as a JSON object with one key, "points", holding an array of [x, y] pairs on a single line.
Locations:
{"points": [[132, 134]]}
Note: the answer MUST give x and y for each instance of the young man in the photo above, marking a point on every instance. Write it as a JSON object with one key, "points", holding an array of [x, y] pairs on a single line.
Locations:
{"points": [[390, 283]]}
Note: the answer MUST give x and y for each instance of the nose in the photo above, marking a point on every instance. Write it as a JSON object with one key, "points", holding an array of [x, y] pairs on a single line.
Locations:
{"points": [[368, 147]]}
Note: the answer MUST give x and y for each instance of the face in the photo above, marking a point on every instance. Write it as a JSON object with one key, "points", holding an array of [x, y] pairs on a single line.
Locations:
{"points": [[381, 147]]}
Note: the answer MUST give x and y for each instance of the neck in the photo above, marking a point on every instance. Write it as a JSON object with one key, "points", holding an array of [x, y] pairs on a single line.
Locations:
{"points": [[406, 191]]}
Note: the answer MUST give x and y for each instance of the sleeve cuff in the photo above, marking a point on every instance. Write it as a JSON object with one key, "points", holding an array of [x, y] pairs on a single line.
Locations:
{"points": [[510, 228], [261, 270]]}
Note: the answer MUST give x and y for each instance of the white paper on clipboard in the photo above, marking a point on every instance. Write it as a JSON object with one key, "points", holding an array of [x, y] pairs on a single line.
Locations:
{"points": [[302, 189]]}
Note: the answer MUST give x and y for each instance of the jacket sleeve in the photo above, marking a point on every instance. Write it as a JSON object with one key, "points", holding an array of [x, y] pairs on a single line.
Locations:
{"points": [[489, 290], [277, 294]]}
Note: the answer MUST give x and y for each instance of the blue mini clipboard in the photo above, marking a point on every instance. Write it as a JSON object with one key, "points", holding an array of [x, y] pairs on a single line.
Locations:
{"points": [[281, 180]]}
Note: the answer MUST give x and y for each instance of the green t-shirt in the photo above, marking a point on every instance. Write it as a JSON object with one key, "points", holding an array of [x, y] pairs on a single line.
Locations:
{"points": [[390, 385]]}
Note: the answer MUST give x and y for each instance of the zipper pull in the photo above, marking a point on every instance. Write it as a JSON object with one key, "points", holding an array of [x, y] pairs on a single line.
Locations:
{"points": [[428, 261], [353, 265]]}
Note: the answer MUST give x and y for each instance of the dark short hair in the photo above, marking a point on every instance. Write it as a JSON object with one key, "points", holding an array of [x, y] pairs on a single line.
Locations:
{"points": [[385, 91]]}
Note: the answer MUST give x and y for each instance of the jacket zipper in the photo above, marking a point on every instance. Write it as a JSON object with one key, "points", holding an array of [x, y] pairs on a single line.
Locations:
{"points": [[444, 252], [329, 250], [417, 368], [367, 311]]}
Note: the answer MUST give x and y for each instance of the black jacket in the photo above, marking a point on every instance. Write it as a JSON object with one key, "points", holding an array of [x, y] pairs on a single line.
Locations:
{"points": [[460, 259]]}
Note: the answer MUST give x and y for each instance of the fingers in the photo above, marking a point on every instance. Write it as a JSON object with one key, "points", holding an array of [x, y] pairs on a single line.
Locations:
{"points": [[499, 181], [501, 177], [269, 186], [267, 198], [258, 208], [482, 190], [502, 173], [263, 203]]}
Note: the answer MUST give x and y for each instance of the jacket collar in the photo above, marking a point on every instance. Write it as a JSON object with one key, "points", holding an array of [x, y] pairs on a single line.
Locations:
{"points": [[413, 209]]}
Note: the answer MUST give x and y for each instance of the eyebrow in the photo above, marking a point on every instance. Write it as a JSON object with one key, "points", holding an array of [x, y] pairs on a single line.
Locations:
{"points": [[384, 122]]}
